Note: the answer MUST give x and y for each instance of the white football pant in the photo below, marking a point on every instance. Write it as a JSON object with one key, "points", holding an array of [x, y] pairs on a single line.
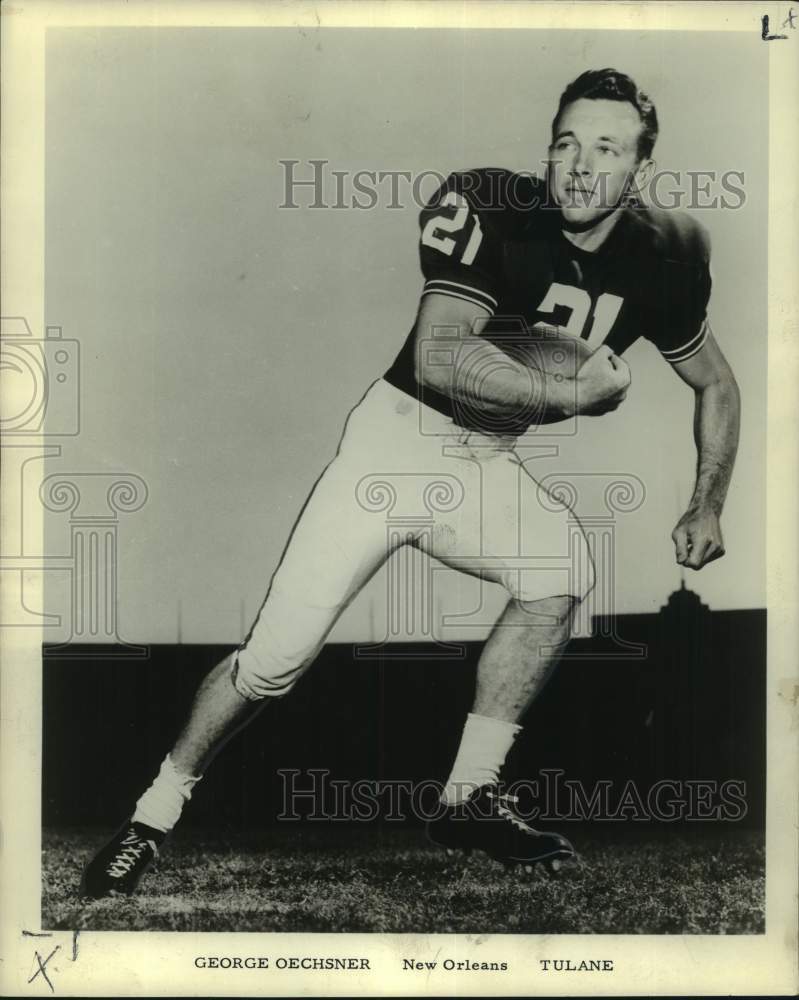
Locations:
{"points": [[405, 473]]}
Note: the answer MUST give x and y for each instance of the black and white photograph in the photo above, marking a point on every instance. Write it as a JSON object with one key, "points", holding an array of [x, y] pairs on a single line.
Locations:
{"points": [[399, 541]]}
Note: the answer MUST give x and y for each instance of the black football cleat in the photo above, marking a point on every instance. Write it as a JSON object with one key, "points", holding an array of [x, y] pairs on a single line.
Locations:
{"points": [[116, 869], [487, 822]]}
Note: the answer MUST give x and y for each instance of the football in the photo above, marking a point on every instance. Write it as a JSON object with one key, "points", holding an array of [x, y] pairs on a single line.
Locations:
{"points": [[553, 352], [543, 349]]}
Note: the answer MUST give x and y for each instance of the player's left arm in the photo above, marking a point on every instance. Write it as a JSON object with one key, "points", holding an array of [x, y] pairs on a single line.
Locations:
{"points": [[697, 536]]}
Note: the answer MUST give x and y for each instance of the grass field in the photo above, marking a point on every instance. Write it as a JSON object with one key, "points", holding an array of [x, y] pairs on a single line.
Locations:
{"points": [[645, 882]]}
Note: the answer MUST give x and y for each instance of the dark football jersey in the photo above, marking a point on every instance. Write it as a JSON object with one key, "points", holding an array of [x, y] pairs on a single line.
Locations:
{"points": [[490, 237]]}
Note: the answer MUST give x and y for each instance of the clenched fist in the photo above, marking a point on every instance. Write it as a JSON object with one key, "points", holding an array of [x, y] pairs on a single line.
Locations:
{"points": [[602, 383], [697, 538]]}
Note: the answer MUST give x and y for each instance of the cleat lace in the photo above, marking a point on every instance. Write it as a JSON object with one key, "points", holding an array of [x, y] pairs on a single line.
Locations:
{"points": [[504, 803], [132, 849]]}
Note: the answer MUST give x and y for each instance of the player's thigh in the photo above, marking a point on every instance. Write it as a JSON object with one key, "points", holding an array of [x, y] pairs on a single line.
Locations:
{"points": [[334, 548], [509, 531]]}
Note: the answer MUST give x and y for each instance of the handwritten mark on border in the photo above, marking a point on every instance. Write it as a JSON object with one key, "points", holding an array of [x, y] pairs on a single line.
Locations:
{"points": [[42, 963]]}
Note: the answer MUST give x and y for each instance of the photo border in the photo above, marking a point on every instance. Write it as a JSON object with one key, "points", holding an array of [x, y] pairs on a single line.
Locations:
{"points": [[123, 964]]}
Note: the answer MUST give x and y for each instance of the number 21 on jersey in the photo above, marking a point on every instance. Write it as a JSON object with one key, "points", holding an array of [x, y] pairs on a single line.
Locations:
{"points": [[440, 223], [579, 302]]}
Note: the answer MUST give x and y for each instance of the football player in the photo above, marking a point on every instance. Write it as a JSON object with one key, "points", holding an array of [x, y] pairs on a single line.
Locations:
{"points": [[505, 259]]}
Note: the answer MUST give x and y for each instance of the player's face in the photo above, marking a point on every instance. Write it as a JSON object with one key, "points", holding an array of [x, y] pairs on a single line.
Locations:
{"points": [[593, 159]]}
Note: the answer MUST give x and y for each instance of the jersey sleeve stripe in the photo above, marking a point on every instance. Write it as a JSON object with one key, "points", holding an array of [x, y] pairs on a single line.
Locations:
{"points": [[459, 291], [693, 346], [457, 295]]}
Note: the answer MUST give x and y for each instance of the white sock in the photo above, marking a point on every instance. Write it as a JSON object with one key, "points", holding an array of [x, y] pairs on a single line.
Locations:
{"points": [[161, 805], [484, 746]]}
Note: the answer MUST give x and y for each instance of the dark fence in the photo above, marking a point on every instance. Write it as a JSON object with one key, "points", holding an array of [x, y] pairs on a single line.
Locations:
{"points": [[610, 728]]}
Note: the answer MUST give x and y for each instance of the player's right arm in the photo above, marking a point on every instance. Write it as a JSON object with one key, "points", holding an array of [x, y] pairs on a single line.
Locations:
{"points": [[460, 251], [480, 374], [484, 376], [461, 256]]}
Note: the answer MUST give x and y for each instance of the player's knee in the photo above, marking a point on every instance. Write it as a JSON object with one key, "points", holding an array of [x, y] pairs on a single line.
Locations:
{"points": [[571, 576], [256, 680], [556, 609]]}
